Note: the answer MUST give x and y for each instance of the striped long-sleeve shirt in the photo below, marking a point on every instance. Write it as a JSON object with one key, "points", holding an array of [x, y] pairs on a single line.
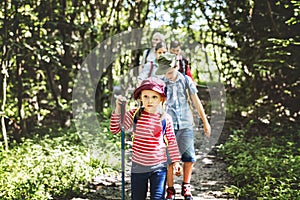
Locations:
{"points": [[148, 148]]}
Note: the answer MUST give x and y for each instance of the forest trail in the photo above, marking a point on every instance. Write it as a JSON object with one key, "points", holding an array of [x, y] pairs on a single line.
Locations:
{"points": [[209, 179]]}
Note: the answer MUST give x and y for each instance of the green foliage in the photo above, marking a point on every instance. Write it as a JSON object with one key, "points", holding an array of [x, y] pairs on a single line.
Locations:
{"points": [[43, 45], [255, 47], [266, 87], [55, 165], [263, 167]]}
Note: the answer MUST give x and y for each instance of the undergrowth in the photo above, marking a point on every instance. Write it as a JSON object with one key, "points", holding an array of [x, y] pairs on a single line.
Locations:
{"points": [[263, 167], [54, 165]]}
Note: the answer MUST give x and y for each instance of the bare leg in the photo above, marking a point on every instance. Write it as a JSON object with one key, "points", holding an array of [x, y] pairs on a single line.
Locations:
{"points": [[187, 171]]}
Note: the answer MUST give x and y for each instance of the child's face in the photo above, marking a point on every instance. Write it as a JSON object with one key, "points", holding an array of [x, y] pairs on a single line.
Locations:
{"points": [[160, 51], [171, 74], [176, 50], [151, 100]]}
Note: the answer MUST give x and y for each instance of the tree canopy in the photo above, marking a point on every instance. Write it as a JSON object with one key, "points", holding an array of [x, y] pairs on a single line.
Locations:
{"points": [[254, 44]]}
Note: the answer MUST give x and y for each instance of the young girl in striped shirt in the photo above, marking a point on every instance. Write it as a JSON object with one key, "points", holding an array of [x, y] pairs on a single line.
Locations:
{"points": [[149, 161]]}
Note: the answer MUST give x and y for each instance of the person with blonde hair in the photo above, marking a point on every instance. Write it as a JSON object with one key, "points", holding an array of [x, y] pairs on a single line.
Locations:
{"points": [[149, 54]]}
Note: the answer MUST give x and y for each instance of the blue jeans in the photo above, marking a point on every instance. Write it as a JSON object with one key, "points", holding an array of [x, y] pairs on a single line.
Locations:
{"points": [[139, 184]]}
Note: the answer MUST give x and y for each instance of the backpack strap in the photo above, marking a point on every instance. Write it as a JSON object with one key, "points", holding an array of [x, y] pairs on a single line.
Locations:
{"points": [[151, 69], [185, 64], [136, 116], [166, 90], [187, 86], [147, 54], [182, 66], [164, 130], [188, 91]]}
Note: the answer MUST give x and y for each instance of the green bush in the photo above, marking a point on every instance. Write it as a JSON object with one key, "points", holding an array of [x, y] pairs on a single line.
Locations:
{"points": [[50, 167], [263, 167]]}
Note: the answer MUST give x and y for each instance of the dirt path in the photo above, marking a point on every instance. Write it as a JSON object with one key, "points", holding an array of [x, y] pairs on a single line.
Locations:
{"points": [[209, 180]]}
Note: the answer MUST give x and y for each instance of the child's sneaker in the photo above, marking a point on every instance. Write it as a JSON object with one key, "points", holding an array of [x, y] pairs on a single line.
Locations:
{"points": [[170, 193], [186, 191]]}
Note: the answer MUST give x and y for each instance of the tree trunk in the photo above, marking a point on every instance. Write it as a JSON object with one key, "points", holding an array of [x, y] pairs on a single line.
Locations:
{"points": [[2, 112]]}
